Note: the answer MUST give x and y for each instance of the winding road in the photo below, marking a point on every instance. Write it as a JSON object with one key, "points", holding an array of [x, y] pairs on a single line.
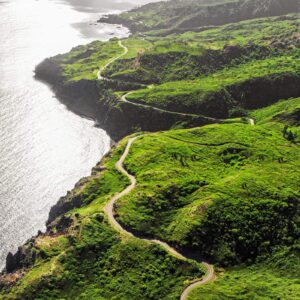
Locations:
{"points": [[109, 211], [124, 97], [109, 208], [99, 75]]}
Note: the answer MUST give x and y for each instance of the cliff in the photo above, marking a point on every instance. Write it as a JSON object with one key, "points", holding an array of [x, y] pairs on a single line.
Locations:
{"points": [[93, 99]]}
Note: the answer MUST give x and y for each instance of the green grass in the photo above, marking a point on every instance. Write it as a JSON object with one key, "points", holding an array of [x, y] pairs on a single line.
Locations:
{"points": [[264, 31], [84, 62], [190, 93], [197, 72], [225, 190], [135, 46], [284, 111], [92, 261], [211, 188], [275, 277], [159, 14], [193, 14]]}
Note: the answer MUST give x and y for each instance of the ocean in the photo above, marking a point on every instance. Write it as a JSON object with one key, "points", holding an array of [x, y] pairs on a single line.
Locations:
{"points": [[44, 148]]}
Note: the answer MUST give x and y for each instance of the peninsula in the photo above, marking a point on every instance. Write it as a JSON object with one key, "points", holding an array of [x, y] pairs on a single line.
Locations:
{"points": [[200, 196]]}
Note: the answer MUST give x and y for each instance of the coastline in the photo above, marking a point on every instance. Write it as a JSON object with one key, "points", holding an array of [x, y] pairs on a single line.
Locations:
{"points": [[92, 99], [119, 119], [179, 198], [22, 256]]}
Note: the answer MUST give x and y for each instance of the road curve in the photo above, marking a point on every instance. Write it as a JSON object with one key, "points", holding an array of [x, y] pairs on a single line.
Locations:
{"points": [[124, 97], [109, 211], [99, 75], [210, 276]]}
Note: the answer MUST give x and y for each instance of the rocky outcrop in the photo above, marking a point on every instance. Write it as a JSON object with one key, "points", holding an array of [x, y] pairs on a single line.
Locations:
{"points": [[23, 258], [72, 200], [79, 96]]}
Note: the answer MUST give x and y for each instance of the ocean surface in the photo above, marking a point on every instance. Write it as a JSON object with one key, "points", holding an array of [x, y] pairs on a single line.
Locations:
{"points": [[44, 148]]}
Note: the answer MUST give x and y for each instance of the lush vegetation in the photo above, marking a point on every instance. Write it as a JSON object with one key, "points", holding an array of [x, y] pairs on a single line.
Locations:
{"points": [[286, 111], [191, 96], [228, 191], [200, 72], [275, 277], [84, 62], [92, 261], [177, 15]]}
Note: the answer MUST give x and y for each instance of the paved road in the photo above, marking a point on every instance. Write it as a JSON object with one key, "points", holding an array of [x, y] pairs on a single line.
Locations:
{"points": [[109, 210]]}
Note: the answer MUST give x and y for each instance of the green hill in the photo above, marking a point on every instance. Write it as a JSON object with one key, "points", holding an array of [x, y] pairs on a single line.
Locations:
{"points": [[218, 73], [216, 159], [275, 277], [227, 191], [181, 15]]}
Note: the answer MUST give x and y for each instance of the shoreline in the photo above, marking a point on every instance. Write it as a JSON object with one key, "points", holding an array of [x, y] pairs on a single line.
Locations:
{"points": [[19, 253], [92, 99], [105, 116]]}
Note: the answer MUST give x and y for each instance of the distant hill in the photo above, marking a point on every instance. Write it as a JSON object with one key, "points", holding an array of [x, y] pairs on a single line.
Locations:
{"points": [[192, 14]]}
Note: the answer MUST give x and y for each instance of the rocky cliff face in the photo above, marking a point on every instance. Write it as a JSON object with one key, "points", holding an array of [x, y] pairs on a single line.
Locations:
{"points": [[93, 99], [261, 92]]}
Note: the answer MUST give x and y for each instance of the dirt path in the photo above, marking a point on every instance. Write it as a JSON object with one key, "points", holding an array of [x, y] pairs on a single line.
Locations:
{"points": [[102, 69], [124, 97], [251, 121], [210, 276], [109, 210]]}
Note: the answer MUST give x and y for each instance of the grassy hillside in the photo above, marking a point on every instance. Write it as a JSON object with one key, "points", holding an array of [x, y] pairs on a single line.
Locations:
{"points": [[219, 73], [194, 14], [201, 71], [84, 258], [285, 111], [228, 191], [275, 277]]}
